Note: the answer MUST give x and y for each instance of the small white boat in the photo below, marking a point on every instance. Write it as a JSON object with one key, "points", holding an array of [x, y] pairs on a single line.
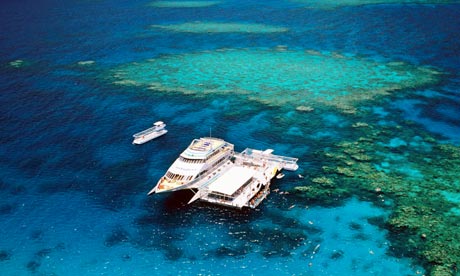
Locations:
{"points": [[144, 136], [279, 176]]}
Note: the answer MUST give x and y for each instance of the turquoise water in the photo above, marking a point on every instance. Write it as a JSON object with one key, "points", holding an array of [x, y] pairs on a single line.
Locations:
{"points": [[73, 187], [217, 27], [276, 77]]}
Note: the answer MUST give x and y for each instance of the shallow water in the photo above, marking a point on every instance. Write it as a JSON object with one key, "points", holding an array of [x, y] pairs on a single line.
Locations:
{"points": [[74, 187]]}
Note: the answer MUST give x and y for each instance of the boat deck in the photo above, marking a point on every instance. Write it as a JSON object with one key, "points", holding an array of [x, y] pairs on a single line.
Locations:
{"points": [[284, 162], [206, 145], [151, 133], [201, 148], [245, 182]]}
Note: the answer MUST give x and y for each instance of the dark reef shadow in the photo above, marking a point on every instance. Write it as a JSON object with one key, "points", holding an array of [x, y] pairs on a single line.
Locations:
{"points": [[7, 208], [5, 255], [117, 236]]}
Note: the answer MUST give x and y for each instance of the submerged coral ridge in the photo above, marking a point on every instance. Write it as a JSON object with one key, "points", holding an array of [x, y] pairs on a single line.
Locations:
{"points": [[334, 4], [217, 27], [182, 4], [294, 78], [17, 63], [396, 173]]}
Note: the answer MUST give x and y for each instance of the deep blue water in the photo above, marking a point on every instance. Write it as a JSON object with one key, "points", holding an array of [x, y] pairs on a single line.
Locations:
{"points": [[73, 188]]}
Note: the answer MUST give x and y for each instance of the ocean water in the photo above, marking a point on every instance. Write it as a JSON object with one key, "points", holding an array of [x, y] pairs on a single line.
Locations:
{"points": [[73, 187]]}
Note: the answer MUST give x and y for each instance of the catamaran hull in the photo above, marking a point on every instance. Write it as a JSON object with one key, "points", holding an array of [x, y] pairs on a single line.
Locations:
{"points": [[146, 138]]}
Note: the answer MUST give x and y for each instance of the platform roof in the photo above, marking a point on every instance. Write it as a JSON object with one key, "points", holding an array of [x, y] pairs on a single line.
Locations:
{"points": [[231, 180]]}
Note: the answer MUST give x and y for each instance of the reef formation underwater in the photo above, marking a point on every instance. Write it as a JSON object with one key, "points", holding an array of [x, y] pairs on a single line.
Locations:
{"points": [[364, 112], [277, 77], [394, 165]]}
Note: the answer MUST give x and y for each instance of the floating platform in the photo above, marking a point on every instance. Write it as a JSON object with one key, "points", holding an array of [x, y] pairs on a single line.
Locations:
{"points": [[245, 182], [218, 175]]}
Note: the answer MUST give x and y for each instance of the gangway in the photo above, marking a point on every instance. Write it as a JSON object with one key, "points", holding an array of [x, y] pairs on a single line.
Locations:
{"points": [[284, 162]]}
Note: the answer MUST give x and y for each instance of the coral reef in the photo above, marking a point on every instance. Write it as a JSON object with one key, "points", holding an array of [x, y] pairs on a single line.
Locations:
{"points": [[5, 255], [324, 181], [275, 77], [304, 108], [118, 235], [329, 4], [183, 4], [217, 27], [395, 165], [6, 209], [17, 63], [86, 62], [395, 173]]}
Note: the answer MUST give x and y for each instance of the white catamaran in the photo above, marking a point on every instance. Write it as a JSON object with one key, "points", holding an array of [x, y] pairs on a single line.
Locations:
{"points": [[196, 162], [144, 136], [217, 174]]}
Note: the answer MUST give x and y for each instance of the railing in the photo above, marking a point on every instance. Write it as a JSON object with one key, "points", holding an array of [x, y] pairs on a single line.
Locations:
{"points": [[288, 163], [147, 131]]}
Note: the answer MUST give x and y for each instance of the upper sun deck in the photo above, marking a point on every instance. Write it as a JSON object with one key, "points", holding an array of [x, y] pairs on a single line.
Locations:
{"points": [[201, 148]]}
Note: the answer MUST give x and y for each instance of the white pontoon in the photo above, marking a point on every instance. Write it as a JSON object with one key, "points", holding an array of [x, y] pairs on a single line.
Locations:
{"points": [[144, 136]]}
